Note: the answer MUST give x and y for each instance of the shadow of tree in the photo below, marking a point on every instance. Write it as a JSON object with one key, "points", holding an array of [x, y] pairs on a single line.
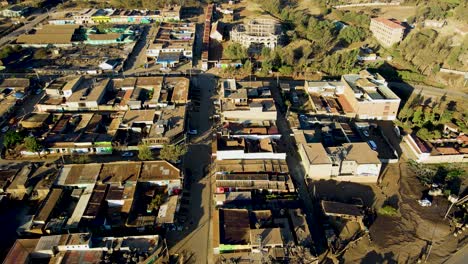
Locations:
{"points": [[374, 257]]}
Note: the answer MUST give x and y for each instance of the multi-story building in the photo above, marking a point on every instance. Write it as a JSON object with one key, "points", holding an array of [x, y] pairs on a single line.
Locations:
{"points": [[387, 31], [355, 162], [249, 103], [370, 97], [257, 32], [364, 95]]}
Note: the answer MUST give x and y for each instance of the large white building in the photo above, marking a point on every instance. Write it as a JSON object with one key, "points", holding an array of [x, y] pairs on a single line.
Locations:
{"points": [[355, 162], [259, 31]]}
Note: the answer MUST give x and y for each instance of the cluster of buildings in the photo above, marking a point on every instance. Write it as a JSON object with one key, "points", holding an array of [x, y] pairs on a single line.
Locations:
{"points": [[83, 115], [64, 36], [172, 44], [251, 178], [86, 248], [137, 196], [117, 16], [333, 138], [78, 201]]}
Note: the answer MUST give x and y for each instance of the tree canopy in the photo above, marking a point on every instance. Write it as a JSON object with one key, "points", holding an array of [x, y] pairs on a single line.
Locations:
{"points": [[144, 152], [235, 51], [32, 144], [172, 152]]}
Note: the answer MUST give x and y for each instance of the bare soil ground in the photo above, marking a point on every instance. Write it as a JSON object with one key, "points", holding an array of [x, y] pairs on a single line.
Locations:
{"points": [[404, 239], [309, 6], [399, 239], [397, 12]]}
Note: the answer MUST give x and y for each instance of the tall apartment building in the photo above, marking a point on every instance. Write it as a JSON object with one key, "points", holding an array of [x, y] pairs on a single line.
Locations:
{"points": [[369, 96], [386, 31]]}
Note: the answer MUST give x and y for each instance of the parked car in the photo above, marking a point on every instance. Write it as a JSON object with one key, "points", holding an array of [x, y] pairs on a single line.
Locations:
{"points": [[372, 144], [127, 154], [5, 129], [193, 132]]}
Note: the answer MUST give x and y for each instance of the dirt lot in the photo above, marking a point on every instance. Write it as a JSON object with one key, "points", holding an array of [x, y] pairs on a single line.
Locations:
{"points": [[397, 12], [400, 239]]}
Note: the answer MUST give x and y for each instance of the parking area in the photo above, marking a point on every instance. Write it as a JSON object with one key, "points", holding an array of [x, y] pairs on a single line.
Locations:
{"points": [[373, 134]]}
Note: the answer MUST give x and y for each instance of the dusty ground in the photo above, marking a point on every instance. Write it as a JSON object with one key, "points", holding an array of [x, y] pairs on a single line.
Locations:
{"points": [[397, 12], [403, 239], [310, 6], [400, 239]]}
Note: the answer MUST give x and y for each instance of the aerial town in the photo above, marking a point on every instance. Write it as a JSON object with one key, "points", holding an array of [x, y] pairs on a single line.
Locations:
{"points": [[233, 131]]}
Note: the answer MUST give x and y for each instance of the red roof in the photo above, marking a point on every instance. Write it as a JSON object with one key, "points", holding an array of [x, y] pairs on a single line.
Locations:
{"points": [[347, 108], [389, 23], [447, 151]]}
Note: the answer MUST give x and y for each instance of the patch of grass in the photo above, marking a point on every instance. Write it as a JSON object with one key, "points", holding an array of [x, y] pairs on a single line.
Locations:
{"points": [[388, 211]]}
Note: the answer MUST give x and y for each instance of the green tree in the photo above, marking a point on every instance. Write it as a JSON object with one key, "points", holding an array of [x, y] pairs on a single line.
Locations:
{"points": [[352, 34], [33, 145], [144, 152], [172, 152], [235, 51], [247, 67], [286, 70], [156, 202], [12, 138]]}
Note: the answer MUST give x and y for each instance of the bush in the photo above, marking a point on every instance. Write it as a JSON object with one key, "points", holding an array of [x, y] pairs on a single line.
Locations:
{"points": [[235, 51], [388, 210]]}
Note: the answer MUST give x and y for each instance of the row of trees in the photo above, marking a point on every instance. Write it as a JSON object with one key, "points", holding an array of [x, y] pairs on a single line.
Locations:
{"points": [[13, 138], [168, 152], [427, 52], [428, 118]]}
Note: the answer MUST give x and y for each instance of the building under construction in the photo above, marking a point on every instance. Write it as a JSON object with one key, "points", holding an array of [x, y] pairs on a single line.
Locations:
{"points": [[257, 33]]}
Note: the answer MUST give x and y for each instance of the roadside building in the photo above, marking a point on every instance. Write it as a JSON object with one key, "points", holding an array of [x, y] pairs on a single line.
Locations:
{"points": [[355, 162], [387, 31], [18, 188], [247, 148], [88, 97], [242, 102], [50, 35], [15, 11], [369, 96], [172, 42], [16, 84]]}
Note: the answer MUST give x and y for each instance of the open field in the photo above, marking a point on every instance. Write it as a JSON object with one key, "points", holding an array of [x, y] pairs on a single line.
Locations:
{"points": [[310, 6], [397, 12]]}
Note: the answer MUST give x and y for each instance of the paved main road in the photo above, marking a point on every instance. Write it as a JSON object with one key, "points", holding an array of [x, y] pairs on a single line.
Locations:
{"points": [[194, 242]]}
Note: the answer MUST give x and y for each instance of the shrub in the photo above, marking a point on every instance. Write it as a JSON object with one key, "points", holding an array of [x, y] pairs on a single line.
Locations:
{"points": [[388, 210]]}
